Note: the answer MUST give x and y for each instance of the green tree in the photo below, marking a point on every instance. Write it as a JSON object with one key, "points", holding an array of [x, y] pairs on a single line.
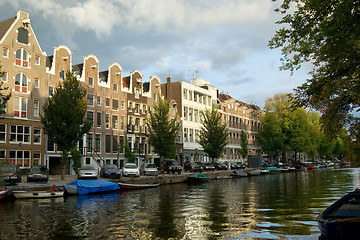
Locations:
{"points": [[64, 116], [76, 157], [324, 33], [128, 153], [244, 143], [3, 96], [163, 130], [213, 134]]}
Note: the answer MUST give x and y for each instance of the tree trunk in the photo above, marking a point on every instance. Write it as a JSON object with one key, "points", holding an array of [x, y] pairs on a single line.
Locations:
{"points": [[64, 159]]}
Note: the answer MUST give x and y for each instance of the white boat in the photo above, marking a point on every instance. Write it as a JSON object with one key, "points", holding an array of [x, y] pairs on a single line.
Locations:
{"points": [[254, 172], [37, 194]]}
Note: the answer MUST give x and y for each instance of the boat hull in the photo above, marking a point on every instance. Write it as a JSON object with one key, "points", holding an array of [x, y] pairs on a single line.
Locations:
{"points": [[90, 186], [3, 193], [137, 186], [37, 194], [198, 178]]}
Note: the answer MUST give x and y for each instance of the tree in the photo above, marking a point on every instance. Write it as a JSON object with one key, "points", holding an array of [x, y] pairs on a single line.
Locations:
{"points": [[128, 153], [162, 129], [213, 134], [63, 119], [325, 34], [3, 97], [244, 151]]}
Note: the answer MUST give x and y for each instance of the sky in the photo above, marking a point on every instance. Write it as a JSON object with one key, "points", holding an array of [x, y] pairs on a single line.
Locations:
{"points": [[222, 41]]}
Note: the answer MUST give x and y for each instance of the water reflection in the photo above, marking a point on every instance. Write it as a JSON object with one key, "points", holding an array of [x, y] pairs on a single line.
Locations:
{"points": [[281, 206]]}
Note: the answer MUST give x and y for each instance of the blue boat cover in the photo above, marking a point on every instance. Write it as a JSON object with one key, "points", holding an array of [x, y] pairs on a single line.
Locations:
{"points": [[94, 186]]}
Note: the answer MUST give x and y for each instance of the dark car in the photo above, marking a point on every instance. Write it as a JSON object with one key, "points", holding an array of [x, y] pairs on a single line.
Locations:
{"points": [[220, 166], [38, 173], [192, 167], [11, 174], [171, 166], [234, 166], [110, 171], [208, 167]]}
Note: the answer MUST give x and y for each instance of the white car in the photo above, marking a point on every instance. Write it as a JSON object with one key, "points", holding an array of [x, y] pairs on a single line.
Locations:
{"points": [[149, 169], [130, 169], [87, 171]]}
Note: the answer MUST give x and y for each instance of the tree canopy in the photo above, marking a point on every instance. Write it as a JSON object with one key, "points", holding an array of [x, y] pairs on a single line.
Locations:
{"points": [[325, 34], [64, 115], [163, 130], [213, 134], [244, 143]]}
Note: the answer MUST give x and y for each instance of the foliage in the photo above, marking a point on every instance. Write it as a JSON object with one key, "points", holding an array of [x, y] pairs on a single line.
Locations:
{"points": [[213, 134], [163, 130], [3, 97], [325, 34], [76, 157], [63, 118], [128, 153], [244, 143]]}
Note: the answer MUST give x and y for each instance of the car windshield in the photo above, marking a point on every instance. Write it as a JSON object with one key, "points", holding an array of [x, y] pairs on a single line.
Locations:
{"points": [[130, 166], [38, 169], [8, 169], [112, 167], [87, 167], [150, 166], [172, 162]]}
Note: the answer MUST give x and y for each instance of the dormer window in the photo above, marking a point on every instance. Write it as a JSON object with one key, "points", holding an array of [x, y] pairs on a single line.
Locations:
{"points": [[23, 35], [22, 58]]}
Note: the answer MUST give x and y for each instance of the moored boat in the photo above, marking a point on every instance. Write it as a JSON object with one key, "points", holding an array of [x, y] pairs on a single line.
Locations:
{"points": [[341, 219], [198, 177], [254, 172], [273, 170], [37, 194], [90, 186], [3, 193], [239, 173], [137, 186]]}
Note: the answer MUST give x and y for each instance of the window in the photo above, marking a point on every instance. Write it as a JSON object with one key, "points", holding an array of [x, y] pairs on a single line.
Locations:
{"points": [[22, 58], [5, 52], [90, 99], [137, 109], [121, 144], [36, 108], [185, 113], [37, 59], [89, 142], [37, 157], [185, 94], [19, 134], [115, 104], [191, 135], [50, 146], [20, 107], [91, 81], [36, 83], [115, 122], [2, 155], [115, 144], [90, 117], [21, 158], [51, 90], [2, 132], [108, 143], [130, 106], [21, 83], [190, 95], [107, 102], [122, 105], [23, 36], [37, 135], [4, 77], [115, 88], [190, 114], [107, 120], [196, 113], [62, 75], [97, 142], [144, 109], [185, 134], [99, 100], [98, 119], [136, 93], [155, 97], [122, 124]]}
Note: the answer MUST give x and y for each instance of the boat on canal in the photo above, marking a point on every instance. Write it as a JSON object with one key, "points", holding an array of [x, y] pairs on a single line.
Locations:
{"points": [[21, 194], [124, 186], [273, 170], [239, 173], [198, 177], [3, 193], [341, 220], [253, 172], [90, 186]]}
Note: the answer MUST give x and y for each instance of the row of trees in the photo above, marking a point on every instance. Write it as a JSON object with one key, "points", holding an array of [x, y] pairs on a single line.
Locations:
{"points": [[289, 128]]}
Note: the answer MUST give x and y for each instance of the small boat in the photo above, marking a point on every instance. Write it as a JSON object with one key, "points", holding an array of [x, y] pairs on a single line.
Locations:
{"points": [[264, 171], [254, 172], [3, 193], [239, 173], [198, 177], [341, 220], [273, 170], [299, 168], [90, 186], [137, 186], [309, 167], [38, 194]]}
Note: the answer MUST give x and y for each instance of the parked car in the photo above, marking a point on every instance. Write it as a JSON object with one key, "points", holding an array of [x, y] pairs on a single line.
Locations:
{"points": [[192, 167], [234, 166], [171, 166], [149, 169], [87, 171], [38, 173], [11, 173], [220, 166], [110, 171], [208, 167], [130, 169]]}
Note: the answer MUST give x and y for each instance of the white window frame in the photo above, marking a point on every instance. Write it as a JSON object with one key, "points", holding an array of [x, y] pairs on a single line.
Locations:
{"points": [[3, 132]]}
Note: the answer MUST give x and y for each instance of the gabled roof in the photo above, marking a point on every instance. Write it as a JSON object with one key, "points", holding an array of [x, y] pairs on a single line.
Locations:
{"points": [[5, 25]]}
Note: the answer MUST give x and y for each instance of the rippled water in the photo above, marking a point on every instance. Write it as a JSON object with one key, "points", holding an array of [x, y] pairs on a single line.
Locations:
{"points": [[281, 206]]}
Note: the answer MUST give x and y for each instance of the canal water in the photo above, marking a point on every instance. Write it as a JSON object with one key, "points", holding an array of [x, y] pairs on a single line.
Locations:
{"points": [[281, 206]]}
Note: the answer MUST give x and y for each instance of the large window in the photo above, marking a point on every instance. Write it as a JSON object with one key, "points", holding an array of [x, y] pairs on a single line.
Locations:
{"points": [[115, 122], [2, 132], [107, 120], [22, 58], [37, 135], [122, 124], [108, 143], [21, 158], [90, 99], [115, 104], [62, 74], [121, 145], [98, 119], [90, 117], [20, 107], [36, 108], [98, 143], [21, 83], [89, 142], [115, 144], [19, 134]]}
